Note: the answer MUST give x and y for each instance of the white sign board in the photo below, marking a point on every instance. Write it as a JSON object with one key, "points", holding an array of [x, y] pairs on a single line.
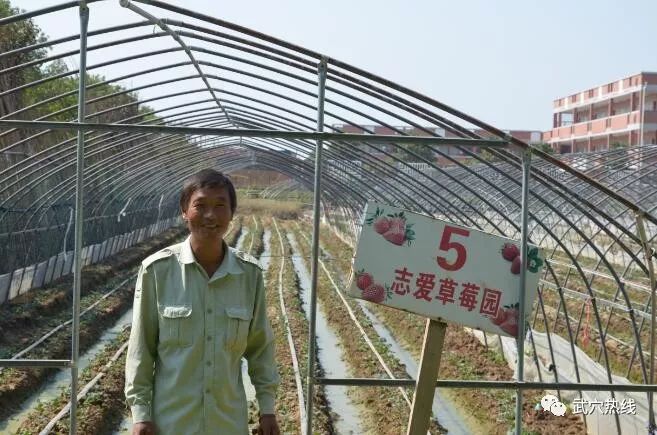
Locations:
{"points": [[441, 270]]}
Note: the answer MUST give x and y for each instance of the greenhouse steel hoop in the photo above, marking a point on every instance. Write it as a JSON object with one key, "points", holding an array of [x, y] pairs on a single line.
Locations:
{"points": [[15, 144], [128, 4], [524, 249], [555, 371], [36, 13], [653, 300], [94, 85], [105, 97], [90, 67], [74, 37], [74, 52]]}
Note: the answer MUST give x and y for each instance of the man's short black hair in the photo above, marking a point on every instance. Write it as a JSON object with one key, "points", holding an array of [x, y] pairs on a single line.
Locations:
{"points": [[207, 178]]}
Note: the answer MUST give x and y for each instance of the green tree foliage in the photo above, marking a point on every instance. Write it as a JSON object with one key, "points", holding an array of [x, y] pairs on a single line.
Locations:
{"points": [[12, 37]]}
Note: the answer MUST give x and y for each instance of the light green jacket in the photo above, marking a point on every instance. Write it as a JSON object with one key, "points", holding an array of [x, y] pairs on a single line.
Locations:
{"points": [[188, 336]]}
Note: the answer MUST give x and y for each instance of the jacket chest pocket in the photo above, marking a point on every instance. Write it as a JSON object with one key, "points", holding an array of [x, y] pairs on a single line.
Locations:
{"points": [[175, 325], [237, 328]]}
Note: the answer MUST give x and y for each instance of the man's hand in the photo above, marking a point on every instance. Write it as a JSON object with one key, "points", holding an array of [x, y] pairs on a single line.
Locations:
{"points": [[143, 428], [268, 425]]}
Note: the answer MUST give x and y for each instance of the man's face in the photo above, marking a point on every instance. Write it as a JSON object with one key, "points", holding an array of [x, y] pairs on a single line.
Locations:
{"points": [[208, 213]]}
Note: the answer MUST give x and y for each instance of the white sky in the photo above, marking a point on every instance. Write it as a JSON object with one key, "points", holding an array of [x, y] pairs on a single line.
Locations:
{"points": [[500, 61]]}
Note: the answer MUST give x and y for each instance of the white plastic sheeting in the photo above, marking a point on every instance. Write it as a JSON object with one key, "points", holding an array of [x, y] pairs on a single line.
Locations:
{"points": [[5, 282], [15, 285], [26, 280], [37, 275]]}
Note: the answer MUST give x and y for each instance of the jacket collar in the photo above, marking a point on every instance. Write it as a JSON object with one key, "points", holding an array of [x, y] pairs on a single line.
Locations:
{"points": [[229, 265]]}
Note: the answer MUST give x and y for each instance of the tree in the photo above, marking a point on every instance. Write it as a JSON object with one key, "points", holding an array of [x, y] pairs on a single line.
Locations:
{"points": [[14, 36]]}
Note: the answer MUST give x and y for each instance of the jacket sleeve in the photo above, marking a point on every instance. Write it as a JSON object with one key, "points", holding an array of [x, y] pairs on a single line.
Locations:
{"points": [[142, 348], [260, 353]]}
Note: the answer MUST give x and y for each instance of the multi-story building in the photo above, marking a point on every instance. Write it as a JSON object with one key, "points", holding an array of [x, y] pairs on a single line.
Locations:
{"points": [[618, 114]]}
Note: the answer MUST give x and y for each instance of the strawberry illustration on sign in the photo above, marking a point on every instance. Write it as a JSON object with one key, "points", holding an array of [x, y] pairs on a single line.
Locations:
{"points": [[510, 251], [363, 279], [507, 319], [376, 293], [534, 261], [393, 227], [515, 265]]}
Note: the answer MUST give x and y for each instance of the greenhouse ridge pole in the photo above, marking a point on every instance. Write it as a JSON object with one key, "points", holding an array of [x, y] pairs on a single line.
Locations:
{"points": [[79, 185], [526, 168]]}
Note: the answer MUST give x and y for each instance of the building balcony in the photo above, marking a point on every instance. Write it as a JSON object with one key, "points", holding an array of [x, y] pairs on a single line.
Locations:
{"points": [[611, 124], [599, 95]]}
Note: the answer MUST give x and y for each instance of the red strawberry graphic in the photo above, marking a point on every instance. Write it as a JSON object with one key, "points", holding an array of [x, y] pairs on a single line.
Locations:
{"points": [[510, 326], [515, 265], [395, 237], [513, 313], [381, 225], [397, 232], [374, 293], [500, 317], [398, 224], [510, 251], [364, 280]]}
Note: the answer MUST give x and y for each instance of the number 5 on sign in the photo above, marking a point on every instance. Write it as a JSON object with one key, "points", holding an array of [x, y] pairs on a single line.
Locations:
{"points": [[447, 245]]}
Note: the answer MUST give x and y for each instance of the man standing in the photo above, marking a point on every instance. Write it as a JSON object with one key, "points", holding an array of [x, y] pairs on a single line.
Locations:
{"points": [[199, 308]]}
